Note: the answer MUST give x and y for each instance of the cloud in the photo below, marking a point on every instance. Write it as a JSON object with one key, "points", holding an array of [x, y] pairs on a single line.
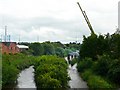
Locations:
{"points": [[56, 20]]}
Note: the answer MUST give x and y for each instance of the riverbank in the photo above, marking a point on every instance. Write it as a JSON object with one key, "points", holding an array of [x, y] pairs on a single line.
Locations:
{"points": [[76, 81], [12, 65], [87, 68]]}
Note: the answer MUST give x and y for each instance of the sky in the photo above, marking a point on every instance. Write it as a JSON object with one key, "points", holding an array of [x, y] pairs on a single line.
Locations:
{"points": [[56, 20]]}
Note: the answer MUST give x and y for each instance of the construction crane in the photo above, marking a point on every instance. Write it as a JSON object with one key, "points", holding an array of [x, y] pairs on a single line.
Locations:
{"points": [[86, 19]]}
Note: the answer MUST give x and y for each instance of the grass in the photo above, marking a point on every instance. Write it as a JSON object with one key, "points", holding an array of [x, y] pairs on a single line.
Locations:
{"points": [[95, 81]]}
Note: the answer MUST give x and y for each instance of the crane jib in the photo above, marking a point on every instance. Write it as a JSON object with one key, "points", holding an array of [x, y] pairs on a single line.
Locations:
{"points": [[86, 19]]}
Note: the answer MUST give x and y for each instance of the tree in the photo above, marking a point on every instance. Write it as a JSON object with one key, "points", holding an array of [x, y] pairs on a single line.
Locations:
{"points": [[89, 47], [59, 52], [115, 46], [48, 49], [37, 49]]}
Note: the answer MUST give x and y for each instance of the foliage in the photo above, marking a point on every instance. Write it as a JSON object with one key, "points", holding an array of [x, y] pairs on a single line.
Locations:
{"points": [[101, 66], [98, 82], [37, 49], [114, 71], [51, 72], [9, 74], [73, 61], [58, 44], [67, 51], [84, 64], [105, 53], [115, 46], [48, 49], [95, 81], [11, 66], [93, 46], [73, 45], [59, 52]]}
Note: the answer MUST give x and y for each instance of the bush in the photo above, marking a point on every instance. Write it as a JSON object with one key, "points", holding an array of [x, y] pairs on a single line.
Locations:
{"points": [[114, 71], [51, 72], [84, 64], [9, 74], [101, 66], [98, 82], [73, 61], [95, 81], [85, 75], [59, 51], [12, 65]]}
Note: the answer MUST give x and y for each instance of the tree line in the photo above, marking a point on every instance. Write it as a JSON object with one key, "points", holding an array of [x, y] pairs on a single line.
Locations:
{"points": [[51, 48], [100, 58]]}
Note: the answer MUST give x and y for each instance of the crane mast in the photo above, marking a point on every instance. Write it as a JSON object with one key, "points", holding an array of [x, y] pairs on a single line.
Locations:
{"points": [[86, 19]]}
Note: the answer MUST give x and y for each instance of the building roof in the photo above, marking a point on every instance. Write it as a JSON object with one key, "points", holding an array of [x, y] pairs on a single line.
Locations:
{"points": [[8, 43], [22, 46]]}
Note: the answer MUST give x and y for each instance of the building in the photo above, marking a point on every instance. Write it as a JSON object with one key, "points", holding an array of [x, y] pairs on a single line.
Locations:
{"points": [[9, 47], [12, 47], [22, 47]]}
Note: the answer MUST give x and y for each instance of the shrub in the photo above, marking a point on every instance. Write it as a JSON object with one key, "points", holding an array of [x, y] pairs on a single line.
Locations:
{"points": [[101, 66], [95, 81], [84, 64], [11, 66], [114, 71], [73, 61], [85, 75], [9, 74], [98, 82], [51, 72]]}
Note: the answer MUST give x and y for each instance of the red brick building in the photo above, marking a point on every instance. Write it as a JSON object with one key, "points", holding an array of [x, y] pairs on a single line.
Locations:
{"points": [[9, 47]]}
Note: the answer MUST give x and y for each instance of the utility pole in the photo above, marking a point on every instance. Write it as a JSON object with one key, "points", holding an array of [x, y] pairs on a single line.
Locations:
{"points": [[19, 38], [5, 33]]}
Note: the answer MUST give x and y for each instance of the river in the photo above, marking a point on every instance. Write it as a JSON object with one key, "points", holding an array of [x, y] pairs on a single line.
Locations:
{"points": [[76, 81], [26, 79]]}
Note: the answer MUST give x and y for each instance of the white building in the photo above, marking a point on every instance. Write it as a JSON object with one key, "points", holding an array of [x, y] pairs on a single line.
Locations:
{"points": [[22, 47]]}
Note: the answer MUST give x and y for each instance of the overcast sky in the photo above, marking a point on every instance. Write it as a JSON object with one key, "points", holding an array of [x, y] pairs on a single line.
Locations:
{"points": [[56, 20]]}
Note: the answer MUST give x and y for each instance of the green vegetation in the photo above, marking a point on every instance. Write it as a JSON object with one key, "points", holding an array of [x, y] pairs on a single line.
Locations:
{"points": [[84, 64], [50, 48], [99, 62], [12, 65], [73, 61], [86, 67], [95, 81], [36, 49], [51, 72]]}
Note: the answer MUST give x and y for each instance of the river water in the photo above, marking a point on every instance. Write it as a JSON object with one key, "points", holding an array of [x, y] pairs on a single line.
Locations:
{"points": [[26, 79], [76, 81]]}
